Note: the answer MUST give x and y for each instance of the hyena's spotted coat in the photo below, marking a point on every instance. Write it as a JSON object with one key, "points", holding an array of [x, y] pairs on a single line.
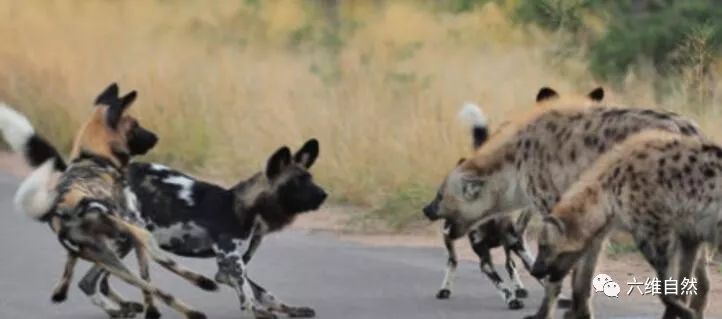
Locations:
{"points": [[532, 160], [663, 188]]}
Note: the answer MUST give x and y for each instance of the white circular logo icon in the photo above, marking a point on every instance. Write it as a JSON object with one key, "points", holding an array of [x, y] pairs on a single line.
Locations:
{"points": [[611, 289], [599, 281]]}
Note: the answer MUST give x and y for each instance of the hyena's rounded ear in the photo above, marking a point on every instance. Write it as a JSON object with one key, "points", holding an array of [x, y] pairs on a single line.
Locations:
{"points": [[597, 95], [461, 160], [109, 96], [308, 153], [546, 93], [277, 162]]}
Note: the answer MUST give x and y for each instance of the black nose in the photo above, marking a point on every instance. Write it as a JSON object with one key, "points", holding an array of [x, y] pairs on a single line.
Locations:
{"points": [[430, 212], [323, 195], [538, 270]]}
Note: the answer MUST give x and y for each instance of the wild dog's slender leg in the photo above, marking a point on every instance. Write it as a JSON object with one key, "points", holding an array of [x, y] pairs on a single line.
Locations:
{"points": [[230, 262], [151, 311], [107, 259], [657, 251], [699, 301], [90, 283], [582, 277], [451, 263], [551, 293], [128, 307], [255, 241], [266, 299], [487, 267], [144, 239], [60, 292], [510, 265]]}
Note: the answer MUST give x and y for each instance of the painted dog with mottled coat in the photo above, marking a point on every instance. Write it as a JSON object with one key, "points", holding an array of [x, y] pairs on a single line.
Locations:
{"points": [[88, 203], [532, 160], [192, 218]]}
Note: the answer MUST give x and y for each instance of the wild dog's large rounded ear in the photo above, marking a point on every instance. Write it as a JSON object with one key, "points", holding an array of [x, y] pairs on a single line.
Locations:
{"points": [[597, 95], [128, 99], [108, 96], [278, 161], [546, 93], [308, 153]]}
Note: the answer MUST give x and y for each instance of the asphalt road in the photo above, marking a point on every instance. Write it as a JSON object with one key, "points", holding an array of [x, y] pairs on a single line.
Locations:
{"points": [[339, 279]]}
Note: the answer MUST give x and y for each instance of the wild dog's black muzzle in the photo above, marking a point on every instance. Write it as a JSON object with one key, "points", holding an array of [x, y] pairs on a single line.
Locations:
{"points": [[539, 270], [140, 141]]}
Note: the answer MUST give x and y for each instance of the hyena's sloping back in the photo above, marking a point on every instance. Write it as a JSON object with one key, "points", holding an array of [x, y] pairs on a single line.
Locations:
{"points": [[549, 148]]}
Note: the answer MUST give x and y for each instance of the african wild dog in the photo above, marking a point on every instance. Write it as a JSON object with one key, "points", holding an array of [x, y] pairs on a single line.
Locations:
{"points": [[89, 205], [533, 159], [193, 218], [663, 188], [501, 231]]}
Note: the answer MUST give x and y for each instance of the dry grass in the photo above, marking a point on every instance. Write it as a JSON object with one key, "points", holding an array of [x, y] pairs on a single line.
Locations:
{"points": [[225, 83]]}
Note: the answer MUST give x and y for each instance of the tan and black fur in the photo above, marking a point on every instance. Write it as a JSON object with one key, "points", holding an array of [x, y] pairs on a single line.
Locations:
{"points": [[94, 213], [663, 188]]}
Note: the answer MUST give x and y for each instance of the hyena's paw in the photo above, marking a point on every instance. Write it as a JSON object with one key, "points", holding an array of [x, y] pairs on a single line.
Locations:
{"points": [[515, 304], [573, 315], [152, 313], [263, 314], [300, 312], [443, 294], [521, 293]]}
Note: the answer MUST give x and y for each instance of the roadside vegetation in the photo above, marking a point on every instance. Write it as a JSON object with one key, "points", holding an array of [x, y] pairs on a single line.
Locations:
{"points": [[225, 83]]}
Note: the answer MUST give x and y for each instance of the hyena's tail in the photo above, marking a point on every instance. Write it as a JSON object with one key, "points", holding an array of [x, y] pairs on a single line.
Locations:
{"points": [[35, 194], [474, 116], [21, 136]]}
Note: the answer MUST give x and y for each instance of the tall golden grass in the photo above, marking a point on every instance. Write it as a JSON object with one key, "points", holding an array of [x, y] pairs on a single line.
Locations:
{"points": [[225, 83]]}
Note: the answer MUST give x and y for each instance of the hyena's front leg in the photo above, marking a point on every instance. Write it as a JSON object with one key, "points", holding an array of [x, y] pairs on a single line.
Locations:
{"points": [[451, 263], [275, 304], [659, 252], [487, 267], [582, 282], [551, 293], [230, 264]]}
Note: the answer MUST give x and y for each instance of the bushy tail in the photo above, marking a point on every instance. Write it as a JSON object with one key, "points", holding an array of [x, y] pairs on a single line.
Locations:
{"points": [[21, 136], [36, 194], [474, 116]]}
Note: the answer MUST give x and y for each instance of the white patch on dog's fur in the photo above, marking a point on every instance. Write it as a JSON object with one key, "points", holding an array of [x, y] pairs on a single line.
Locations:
{"points": [[15, 127], [186, 187], [165, 235], [473, 115], [35, 196], [158, 167]]}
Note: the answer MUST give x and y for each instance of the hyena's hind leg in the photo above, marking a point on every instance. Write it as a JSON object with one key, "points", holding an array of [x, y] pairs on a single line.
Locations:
{"points": [[451, 263], [692, 260], [699, 301], [481, 246]]}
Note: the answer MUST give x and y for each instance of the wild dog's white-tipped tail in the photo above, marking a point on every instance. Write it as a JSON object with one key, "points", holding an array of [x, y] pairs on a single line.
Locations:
{"points": [[15, 127], [472, 114], [35, 196]]}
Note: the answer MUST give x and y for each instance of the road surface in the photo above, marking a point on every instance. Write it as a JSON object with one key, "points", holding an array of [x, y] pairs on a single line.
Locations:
{"points": [[339, 279]]}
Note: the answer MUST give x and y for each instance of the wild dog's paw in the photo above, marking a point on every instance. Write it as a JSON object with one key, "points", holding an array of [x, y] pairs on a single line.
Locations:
{"points": [[152, 313], [443, 294], [263, 314], [59, 297], [223, 278], [195, 315], [564, 303], [521, 293], [300, 312], [515, 304], [206, 283], [131, 306], [122, 313]]}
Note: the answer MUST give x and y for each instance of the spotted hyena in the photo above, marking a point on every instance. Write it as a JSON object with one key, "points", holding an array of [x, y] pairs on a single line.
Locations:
{"points": [[534, 158], [663, 188]]}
